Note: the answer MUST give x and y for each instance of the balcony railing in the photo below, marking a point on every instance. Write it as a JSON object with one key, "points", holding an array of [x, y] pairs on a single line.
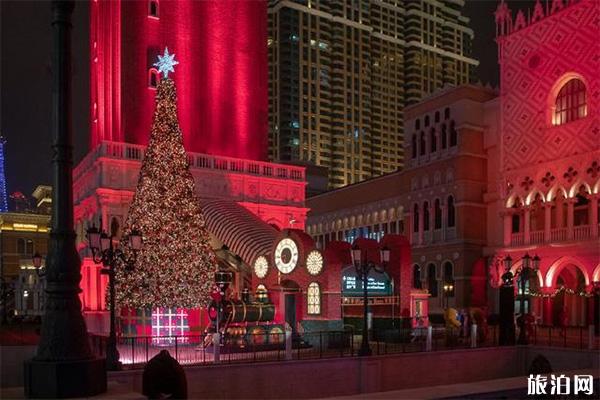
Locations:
{"points": [[558, 234], [536, 237], [134, 152], [517, 239], [581, 232]]}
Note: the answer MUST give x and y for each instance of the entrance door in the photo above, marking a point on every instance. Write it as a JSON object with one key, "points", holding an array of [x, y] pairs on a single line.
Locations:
{"points": [[290, 311]]}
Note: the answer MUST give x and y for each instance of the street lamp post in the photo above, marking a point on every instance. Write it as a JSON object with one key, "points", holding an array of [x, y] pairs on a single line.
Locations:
{"points": [[64, 365], [222, 280], [448, 288], [363, 266], [105, 251], [529, 267]]}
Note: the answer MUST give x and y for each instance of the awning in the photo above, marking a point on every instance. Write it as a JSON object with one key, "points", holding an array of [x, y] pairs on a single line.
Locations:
{"points": [[243, 232]]}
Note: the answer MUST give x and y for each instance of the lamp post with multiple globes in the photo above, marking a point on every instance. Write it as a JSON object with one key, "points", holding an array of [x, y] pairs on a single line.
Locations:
{"points": [[105, 251], [448, 288], [529, 267], [363, 266]]}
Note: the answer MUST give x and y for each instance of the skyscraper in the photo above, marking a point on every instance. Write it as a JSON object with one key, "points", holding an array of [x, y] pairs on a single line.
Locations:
{"points": [[342, 71]]}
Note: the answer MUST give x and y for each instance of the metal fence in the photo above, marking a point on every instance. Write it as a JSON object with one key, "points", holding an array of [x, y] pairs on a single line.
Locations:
{"points": [[199, 349]]}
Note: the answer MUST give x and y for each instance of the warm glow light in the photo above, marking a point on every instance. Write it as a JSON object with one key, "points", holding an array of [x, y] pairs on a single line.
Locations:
{"points": [[25, 227]]}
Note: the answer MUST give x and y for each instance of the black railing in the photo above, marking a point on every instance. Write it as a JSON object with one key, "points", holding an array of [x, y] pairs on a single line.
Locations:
{"points": [[199, 349]]}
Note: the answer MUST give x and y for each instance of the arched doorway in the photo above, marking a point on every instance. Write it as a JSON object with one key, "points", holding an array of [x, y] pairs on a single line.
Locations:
{"points": [[567, 304], [292, 303]]}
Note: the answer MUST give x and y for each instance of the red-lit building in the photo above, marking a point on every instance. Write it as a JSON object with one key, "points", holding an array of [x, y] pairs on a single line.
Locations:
{"points": [[250, 205], [496, 174], [221, 79]]}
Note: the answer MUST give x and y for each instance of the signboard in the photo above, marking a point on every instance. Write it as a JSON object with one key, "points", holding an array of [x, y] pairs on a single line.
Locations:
{"points": [[378, 284]]}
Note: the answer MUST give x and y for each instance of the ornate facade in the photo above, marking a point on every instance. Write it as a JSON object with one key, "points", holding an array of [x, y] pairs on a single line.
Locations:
{"points": [[497, 175]]}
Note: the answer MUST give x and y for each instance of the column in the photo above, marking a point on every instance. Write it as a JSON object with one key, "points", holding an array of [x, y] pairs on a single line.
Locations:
{"points": [[594, 216], [547, 221], [526, 224], [570, 217], [444, 221]]}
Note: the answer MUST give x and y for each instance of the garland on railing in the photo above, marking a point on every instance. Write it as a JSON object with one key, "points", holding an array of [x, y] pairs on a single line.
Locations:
{"points": [[582, 293]]}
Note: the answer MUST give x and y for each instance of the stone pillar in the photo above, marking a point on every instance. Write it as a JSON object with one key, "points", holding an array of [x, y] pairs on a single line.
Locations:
{"points": [[570, 218], [547, 221], [547, 310], [526, 224], [64, 365], [594, 216], [444, 221], [507, 219]]}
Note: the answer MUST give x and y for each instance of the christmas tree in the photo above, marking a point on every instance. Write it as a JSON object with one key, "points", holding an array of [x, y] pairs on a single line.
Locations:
{"points": [[176, 264]]}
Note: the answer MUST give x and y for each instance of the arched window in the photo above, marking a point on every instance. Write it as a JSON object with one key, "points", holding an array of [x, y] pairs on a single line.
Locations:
{"points": [[571, 103], [437, 216], [432, 282], [153, 8], [444, 137], [432, 140], [418, 124], [426, 121], [422, 144], [517, 218], [437, 116], [453, 134], [451, 213], [314, 299], [426, 216], [582, 205], [449, 277], [414, 146], [153, 78], [446, 113], [417, 277], [416, 218]]}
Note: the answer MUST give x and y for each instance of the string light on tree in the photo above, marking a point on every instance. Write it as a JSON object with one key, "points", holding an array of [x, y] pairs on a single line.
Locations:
{"points": [[176, 265]]}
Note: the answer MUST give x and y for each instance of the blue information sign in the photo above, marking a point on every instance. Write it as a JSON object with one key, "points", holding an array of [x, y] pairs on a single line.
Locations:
{"points": [[378, 283]]}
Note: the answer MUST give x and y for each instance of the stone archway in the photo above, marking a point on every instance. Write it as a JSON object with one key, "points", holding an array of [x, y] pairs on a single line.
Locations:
{"points": [[566, 279]]}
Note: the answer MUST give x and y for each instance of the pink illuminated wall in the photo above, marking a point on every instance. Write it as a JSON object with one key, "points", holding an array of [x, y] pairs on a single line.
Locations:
{"points": [[221, 79]]}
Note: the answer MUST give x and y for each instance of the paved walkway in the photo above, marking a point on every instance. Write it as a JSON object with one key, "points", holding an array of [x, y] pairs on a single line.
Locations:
{"points": [[464, 390]]}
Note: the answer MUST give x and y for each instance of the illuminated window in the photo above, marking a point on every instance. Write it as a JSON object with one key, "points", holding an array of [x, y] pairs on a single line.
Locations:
{"points": [[153, 8], [570, 103], [153, 78], [314, 299]]}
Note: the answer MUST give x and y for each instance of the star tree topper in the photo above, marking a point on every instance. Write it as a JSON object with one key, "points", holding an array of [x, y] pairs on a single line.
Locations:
{"points": [[165, 63]]}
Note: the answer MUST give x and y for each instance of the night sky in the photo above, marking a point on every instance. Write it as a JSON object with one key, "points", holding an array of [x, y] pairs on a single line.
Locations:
{"points": [[25, 109]]}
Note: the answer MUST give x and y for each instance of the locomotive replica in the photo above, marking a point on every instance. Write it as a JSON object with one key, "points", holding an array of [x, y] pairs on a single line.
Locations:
{"points": [[244, 323]]}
